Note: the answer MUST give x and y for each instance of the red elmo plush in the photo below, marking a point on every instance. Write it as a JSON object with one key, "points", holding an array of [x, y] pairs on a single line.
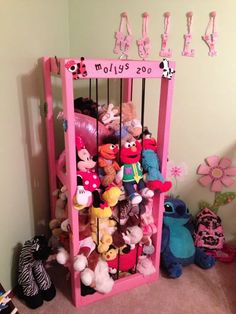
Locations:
{"points": [[131, 172]]}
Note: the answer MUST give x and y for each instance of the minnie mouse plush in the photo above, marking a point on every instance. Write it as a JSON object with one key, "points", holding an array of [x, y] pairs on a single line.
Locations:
{"points": [[87, 179]]}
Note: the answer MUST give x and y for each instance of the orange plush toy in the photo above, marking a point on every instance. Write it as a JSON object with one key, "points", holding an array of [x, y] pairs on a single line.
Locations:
{"points": [[107, 160]]}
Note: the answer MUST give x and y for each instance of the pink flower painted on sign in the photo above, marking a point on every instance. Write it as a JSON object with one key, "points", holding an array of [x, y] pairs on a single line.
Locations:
{"points": [[216, 172]]}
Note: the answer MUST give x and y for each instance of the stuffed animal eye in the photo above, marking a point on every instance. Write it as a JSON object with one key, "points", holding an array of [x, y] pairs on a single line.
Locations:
{"points": [[73, 68], [133, 144], [112, 146], [128, 145], [148, 136], [168, 208]]}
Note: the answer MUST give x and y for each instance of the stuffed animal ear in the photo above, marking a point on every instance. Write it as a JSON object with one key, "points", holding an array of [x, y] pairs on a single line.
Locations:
{"points": [[110, 107], [97, 201], [96, 198], [126, 249], [79, 181]]}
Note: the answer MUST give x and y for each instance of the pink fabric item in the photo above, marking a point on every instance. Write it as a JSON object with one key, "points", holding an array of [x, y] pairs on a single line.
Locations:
{"points": [[165, 51], [209, 232], [216, 172], [226, 254], [91, 181], [211, 35], [187, 52], [144, 45], [122, 41], [79, 143], [147, 221]]}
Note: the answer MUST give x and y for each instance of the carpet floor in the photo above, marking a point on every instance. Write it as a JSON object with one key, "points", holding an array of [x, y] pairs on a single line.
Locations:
{"points": [[197, 291]]}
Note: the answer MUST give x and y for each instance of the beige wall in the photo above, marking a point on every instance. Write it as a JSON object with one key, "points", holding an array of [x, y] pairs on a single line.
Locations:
{"points": [[29, 29], [203, 119]]}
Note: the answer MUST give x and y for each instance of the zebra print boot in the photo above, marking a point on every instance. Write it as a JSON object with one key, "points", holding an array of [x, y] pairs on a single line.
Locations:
{"points": [[35, 283]]}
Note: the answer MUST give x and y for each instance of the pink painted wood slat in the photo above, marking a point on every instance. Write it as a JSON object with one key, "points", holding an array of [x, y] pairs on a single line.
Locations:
{"points": [[120, 285], [163, 134], [104, 68], [69, 135]]}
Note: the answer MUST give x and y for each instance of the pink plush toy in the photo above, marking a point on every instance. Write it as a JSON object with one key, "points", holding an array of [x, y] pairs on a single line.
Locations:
{"points": [[145, 266], [147, 221], [87, 179]]}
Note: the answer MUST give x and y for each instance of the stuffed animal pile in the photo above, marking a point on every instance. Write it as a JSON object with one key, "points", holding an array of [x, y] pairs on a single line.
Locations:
{"points": [[114, 198]]}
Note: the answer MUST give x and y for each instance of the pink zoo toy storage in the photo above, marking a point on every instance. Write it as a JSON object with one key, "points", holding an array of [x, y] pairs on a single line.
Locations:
{"points": [[126, 72]]}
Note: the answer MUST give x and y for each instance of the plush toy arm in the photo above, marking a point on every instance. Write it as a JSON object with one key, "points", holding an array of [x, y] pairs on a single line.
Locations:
{"points": [[102, 163], [109, 115], [119, 175], [83, 197], [190, 226], [116, 166], [165, 238]]}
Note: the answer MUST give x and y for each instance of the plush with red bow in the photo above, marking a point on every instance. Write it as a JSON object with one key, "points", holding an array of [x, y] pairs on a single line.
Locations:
{"points": [[87, 179]]}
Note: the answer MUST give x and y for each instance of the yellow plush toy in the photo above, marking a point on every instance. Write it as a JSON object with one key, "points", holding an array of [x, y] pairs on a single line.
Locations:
{"points": [[101, 225]]}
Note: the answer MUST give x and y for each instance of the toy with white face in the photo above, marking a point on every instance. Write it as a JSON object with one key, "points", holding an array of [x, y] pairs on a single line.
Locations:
{"points": [[85, 160]]}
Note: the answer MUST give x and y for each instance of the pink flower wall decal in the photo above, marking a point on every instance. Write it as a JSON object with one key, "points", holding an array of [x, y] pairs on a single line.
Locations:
{"points": [[176, 171], [216, 172]]}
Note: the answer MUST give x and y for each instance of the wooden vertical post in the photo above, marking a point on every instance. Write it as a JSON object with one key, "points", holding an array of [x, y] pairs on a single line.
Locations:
{"points": [[48, 108], [163, 134], [69, 135]]}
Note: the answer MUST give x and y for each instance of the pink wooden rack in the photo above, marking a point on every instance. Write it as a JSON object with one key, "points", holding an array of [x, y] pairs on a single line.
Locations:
{"points": [[126, 70]]}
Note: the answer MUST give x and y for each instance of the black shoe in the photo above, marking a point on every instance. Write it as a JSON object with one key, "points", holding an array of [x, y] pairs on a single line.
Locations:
{"points": [[86, 290], [33, 301], [49, 293]]}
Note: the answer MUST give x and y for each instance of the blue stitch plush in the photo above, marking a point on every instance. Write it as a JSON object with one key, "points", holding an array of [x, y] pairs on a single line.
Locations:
{"points": [[177, 247]]}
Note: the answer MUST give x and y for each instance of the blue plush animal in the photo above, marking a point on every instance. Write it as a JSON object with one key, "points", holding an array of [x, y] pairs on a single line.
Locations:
{"points": [[177, 247], [151, 164]]}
